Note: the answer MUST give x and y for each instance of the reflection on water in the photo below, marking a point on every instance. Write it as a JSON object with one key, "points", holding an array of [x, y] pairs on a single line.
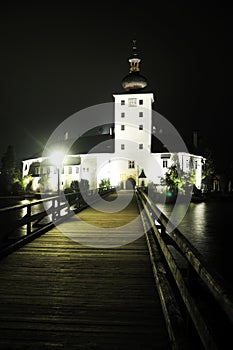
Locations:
{"points": [[8, 220], [208, 226]]}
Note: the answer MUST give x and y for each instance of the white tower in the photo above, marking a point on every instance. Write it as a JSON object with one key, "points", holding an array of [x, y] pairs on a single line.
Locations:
{"points": [[133, 119], [133, 109]]}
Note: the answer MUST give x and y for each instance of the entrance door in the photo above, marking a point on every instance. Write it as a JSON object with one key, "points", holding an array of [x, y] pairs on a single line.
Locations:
{"points": [[130, 184]]}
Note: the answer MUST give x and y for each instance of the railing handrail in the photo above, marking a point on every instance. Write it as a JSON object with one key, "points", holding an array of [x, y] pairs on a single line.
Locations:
{"points": [[25, 205], [165, 234], [46, 199], [210, 277]]}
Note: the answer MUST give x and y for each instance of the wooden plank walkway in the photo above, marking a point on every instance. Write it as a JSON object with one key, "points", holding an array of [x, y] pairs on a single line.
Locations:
{"points": [[56, 293]]}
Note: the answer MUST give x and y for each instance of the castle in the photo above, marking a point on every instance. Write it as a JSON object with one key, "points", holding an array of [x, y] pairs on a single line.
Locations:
{"points": [[136, 149]]}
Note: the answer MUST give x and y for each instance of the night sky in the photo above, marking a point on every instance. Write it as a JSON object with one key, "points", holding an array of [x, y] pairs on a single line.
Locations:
{"points": [[58, 59]]}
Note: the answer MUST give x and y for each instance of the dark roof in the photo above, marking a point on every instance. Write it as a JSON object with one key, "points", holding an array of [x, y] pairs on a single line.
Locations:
{"points": [[93, 144]]}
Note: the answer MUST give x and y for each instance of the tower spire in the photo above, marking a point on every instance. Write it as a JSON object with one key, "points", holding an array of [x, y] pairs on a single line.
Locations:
{"points": [[134, 60], [134, 80]]}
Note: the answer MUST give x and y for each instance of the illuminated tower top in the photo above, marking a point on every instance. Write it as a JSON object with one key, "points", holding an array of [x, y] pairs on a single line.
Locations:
{"points": [[134, 80]]}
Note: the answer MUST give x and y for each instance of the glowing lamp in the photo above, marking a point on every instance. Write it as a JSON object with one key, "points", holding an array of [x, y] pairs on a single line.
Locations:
{"points": [[57, 158]]}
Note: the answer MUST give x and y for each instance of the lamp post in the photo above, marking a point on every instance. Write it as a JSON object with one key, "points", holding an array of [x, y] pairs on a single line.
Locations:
{"points": [[58, 182], [57, 159]]}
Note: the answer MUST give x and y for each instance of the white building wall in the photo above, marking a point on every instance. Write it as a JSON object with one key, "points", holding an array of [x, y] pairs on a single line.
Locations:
{"points": [[133, 120], [27, 163], [88, 170]]}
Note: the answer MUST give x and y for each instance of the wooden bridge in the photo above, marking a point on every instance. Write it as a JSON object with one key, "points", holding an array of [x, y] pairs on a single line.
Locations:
{"points": [[95, 281]]}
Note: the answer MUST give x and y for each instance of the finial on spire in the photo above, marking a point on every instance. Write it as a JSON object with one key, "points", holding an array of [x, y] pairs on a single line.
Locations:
{"points": [[135, 47], [134, 59]]}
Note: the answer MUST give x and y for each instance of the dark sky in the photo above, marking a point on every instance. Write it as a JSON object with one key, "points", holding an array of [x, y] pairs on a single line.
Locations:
{"points": [[58, 59]]}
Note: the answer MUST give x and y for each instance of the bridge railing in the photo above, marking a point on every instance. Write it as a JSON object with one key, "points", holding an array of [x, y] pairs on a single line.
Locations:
{"points": [[40, 215], [207, 299]]}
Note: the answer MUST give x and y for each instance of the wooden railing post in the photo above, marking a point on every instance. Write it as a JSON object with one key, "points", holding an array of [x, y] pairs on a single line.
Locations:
{"points": [[29, 210], [53, 211]]}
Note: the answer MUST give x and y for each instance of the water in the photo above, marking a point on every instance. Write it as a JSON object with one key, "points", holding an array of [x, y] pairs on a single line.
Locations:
{"points": [[209, 227], [7, 220]]}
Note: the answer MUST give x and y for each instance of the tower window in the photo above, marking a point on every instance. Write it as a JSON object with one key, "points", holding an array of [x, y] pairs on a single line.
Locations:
{"points": [[122, 102], [132, 102], [141, 146], [122, 114], [122, 127], [164, 163], [141, 102], [122, 146], [70, 170], [131, 164], [141, 127], [140, 114]]}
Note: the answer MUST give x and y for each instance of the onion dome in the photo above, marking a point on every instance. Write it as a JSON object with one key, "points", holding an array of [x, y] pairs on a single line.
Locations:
{"points": [[134, 80]]}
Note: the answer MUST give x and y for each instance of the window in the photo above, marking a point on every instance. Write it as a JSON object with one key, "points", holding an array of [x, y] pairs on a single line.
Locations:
{"points": [[141, 127], [70, 170], [141, 146], [132, 102], [195, 164], [26, 167], [122, 127], [66, 135], [122, 146], [164, 163], [122, 102], [62, 170], [141, 102], [187, 163], [77, 170], [48, 171], [122, 114], [131, 164], [140, 114]]}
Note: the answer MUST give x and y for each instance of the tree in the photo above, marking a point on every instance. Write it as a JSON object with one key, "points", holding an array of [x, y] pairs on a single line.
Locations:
{"points": [[10, 177], [208, 170], [105, 183], [177, 180]]}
